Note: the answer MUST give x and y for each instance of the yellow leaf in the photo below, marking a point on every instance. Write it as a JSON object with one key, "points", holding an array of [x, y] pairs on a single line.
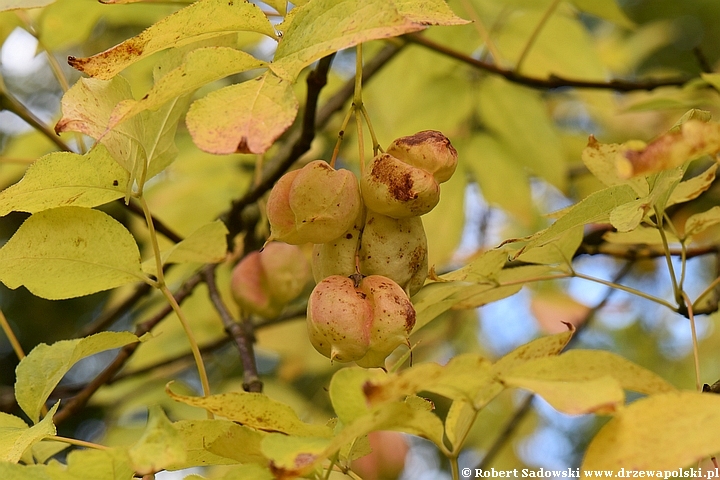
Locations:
{"points": [[322, 27], [23, 4], [701, 221], [601, 395], [694, 139], [255, 410], [68, 252], [245, 118], [215, 442], [203, 18], [662, 432], [39, 373], [64, 178], [200, 66], [160, 445], [16, 437]]}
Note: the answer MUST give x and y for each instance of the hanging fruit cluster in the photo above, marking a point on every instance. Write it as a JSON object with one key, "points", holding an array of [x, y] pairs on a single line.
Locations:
{"points": [[370, 249]]}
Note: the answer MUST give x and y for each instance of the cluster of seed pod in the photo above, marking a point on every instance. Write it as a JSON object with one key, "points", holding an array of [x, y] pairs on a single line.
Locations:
{"points": [[370, 249]]}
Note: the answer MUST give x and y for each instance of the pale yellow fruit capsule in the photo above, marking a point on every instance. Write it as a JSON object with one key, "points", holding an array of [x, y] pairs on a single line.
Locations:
{"points": [[313, 205], [393, 319], [264, 282], [338, 319], [396, 189], [429, 150], [361, 322], [337, 257], [395, 248]]}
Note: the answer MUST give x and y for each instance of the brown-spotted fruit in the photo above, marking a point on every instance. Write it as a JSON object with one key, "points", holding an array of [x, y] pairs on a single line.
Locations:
{"points": [[429, 150]]}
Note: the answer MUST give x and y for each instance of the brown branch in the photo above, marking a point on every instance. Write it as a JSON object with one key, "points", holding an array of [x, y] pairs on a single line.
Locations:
{"points": [[10, 103], [299, 142], [79, 401], [554, 81], [241, 333]]}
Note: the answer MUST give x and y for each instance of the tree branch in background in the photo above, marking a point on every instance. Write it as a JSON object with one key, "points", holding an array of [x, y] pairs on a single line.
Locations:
{"points": [[79, 401], [546, 83], [241, 333], [10, 103]]}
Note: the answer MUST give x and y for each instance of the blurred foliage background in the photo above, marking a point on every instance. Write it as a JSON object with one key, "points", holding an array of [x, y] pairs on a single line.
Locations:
{"points": [[520, 158]]}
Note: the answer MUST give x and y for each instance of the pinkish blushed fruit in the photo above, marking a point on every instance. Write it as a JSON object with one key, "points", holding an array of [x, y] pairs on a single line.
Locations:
{"points": [[315, 204]]}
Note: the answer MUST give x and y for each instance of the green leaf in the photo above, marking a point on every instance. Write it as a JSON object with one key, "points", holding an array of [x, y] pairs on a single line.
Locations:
{"points": [[608, 10], [23, 4], [63, 178], [433, 300], [215, 442], [561, 250], [200, 66], [69, 252], [39, 373], [602, 160], [595, 208], [255, 410], [461, 378], [207, 244], [322, 27], [203, 18], [89, 464], [645, 435], [159, 446], [346, 391], [16, 437], [495, 161], [246, 118], [500, 104], [288, 452], [458, 421]]}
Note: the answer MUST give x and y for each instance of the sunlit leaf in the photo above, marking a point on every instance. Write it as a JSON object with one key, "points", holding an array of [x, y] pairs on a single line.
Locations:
{"points": [[595, 208], [207, 244], [203, 18], [433, 300], [68, 252], [695, 138], [458, 421], [16, 436], [39, 372], [602, 161], [346, 391], [559, 251], [90, 464], [627, 216], [247, 117], [692, 188], [64, 178], [601, 395], [290, 453], [201, 66], [646, 235], [159, 446], [586, 365], [645, 435], [542, 347], [255, 410], [701, 221], [215, 442], [461, 378], [609, 10], [321, 27]]}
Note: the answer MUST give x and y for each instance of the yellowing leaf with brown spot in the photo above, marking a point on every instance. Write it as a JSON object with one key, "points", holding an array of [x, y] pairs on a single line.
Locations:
{"points": [[65, 178], [202, 19], [245, 118], [555, 309], [322, 27], [255, 410], [68, 252], [601, 395], [662, 432], [694, 139], [200, 66]]}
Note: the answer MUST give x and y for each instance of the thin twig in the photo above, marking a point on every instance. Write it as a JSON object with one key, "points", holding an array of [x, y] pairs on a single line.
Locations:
{"points": [[511, 426], [12, 104], [241, 334], [79, 401], [554, 81]]}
